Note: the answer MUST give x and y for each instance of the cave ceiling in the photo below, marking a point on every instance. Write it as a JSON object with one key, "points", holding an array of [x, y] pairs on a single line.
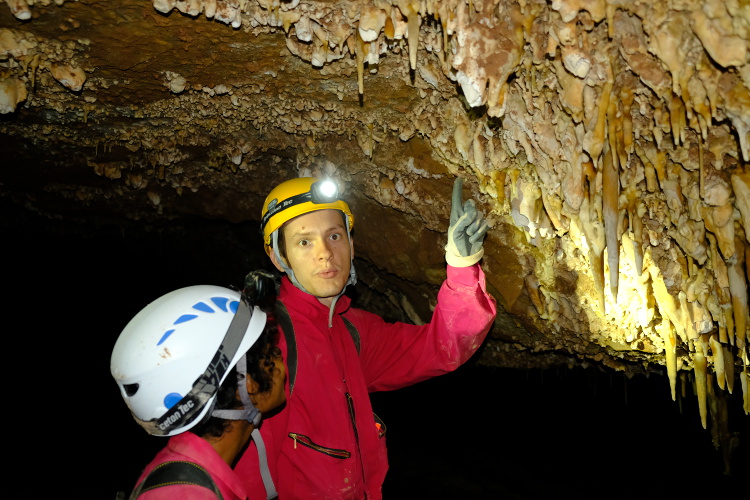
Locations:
{"points": [[607, 143]]}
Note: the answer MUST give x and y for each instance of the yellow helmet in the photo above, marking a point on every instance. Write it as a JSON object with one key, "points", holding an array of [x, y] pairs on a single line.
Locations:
{"points": [[297, 197]]}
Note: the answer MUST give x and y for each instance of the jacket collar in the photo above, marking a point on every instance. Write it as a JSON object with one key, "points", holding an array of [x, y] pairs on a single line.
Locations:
{"points": [[297, 300]]}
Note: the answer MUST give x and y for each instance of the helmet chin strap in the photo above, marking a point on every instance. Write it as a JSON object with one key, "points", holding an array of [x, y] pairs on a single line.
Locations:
{"points": [[282, 262], [248, 412]]}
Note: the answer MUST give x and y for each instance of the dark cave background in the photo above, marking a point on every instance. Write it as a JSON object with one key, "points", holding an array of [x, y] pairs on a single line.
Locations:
{"points": [[477, 433]]}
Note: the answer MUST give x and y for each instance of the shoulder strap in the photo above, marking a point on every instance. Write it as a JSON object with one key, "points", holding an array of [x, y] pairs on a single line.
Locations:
{"points": [[282, 315], [352, 331], [176, 472]]}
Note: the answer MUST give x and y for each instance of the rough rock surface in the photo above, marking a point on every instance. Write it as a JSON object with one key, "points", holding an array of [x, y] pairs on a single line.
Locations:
{"points": [[607, 143]]}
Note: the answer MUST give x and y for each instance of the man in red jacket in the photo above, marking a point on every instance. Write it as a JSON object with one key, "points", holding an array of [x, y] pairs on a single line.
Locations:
{"points": [[327, 443]]}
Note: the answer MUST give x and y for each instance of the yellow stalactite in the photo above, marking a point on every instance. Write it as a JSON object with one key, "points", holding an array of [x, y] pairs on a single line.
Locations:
{"points": [[717, 356], [699, 366], [360, 50]]}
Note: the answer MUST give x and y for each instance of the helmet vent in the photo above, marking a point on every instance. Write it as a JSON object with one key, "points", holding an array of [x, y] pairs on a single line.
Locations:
{"points": [[130, 389]]}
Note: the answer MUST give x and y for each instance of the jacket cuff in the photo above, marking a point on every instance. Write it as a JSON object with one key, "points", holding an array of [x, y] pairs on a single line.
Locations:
{"points": [[455, 260], [464, 276]]}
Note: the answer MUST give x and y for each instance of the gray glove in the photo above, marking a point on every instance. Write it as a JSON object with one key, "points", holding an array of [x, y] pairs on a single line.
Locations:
{"points": [[466, 231]]}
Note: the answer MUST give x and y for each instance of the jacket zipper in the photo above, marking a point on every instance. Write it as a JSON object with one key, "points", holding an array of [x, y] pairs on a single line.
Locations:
{"points": [[306, 441], [350, 404], [352, 415]]}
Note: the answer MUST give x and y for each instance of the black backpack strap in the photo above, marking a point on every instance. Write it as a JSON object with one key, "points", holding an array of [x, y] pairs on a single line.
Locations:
{"points": [[352, 331], [282, 316], [176, 472]]}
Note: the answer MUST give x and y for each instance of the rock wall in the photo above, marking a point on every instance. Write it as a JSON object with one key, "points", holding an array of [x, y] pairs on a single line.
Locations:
{"points": [[606, 141]]}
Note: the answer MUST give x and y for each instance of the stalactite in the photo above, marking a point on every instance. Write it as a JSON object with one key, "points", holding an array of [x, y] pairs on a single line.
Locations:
{"points": [[717, 360], [360, 52], [669, 308], [20, 9], [670, 354], [12, 93], [627, 96], [741, 186], [598, 133], [410, 10], [209, 8], [738, 289], [699, 367], [610, 209], [594, 232]]}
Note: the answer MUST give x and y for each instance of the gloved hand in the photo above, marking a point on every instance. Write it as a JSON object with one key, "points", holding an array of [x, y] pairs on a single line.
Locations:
{"points": [[466, 231]]}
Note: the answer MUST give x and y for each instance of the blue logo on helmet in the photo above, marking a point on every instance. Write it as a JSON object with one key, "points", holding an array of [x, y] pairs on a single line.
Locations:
{"points": [[222, 303]]}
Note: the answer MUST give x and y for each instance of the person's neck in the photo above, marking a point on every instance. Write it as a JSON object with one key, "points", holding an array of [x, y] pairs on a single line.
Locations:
{"points": [[326, 301], [231, 443]]}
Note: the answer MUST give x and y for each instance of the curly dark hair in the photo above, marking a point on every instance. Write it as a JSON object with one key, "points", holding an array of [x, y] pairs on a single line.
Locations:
{"points": [[260, 290]]}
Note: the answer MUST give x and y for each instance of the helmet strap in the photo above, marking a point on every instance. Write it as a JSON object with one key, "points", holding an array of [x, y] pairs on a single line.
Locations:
{"points": [[351, 281], [249, 412], [265, 473], [282, 261], [352, 273]]}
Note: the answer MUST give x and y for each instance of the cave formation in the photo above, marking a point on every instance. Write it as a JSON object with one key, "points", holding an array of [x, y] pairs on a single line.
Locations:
{"points": [[607, 143]]}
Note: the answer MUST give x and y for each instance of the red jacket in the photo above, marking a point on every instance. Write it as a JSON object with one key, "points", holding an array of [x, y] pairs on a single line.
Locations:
{"points": [[191, 448], [325, 441]]}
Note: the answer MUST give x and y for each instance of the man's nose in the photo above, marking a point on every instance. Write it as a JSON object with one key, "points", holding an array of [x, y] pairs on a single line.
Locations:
{"points": [[324, 249]]}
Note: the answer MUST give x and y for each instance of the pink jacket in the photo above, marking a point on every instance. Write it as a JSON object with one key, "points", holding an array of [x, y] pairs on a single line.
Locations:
{"points": [[326, 442], [189, 447]]}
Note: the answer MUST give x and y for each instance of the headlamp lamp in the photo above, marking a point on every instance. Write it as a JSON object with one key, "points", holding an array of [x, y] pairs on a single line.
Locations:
{"points": [[325, 191]]}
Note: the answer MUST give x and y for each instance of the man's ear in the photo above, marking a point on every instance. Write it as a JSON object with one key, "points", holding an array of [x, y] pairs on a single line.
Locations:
{"points": [[272, 255]]}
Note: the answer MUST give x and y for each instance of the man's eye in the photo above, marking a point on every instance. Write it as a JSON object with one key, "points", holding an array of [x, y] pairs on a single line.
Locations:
{"points": [[303, 243], [335, 236]]}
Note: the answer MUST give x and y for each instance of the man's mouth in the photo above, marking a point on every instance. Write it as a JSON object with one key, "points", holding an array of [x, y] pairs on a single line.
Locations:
{"points": [[328, 273]]}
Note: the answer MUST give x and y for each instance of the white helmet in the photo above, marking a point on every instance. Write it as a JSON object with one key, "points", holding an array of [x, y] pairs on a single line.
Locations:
{"points": [[171, 358]]}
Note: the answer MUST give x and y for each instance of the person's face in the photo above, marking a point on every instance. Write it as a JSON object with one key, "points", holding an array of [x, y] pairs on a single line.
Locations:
{"points": [[319, 253], [272, 398]]}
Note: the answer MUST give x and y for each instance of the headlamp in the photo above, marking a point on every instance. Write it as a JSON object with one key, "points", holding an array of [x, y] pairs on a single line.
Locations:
{"points": [[325, 191]]}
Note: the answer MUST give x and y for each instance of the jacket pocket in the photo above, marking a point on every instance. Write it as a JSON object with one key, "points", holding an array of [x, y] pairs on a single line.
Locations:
{"points": [[306, 441]]}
